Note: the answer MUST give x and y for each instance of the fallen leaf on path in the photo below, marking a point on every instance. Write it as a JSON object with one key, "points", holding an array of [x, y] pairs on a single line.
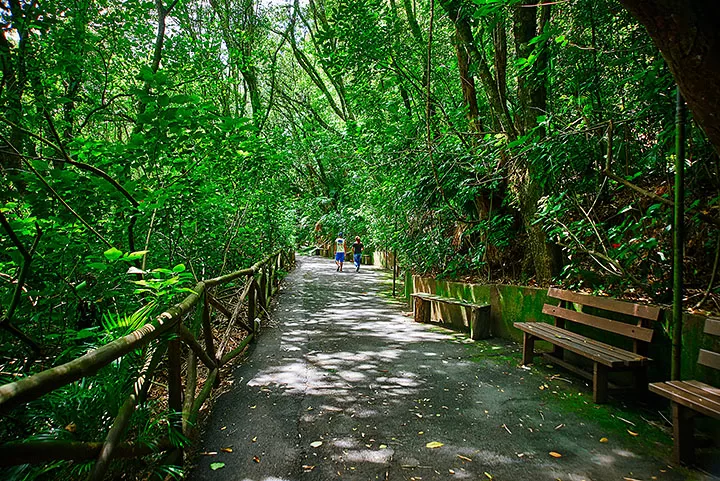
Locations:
{"points": [[216, 466], [632, 433], [464, 458], [210, 453], [256, 459], [223, 428], [434, 444], [555, 454], [226, 450], [307, 467], [254, 439], [382, 446], [604, 440], [488, 475], [559, 426], [316, 444]]}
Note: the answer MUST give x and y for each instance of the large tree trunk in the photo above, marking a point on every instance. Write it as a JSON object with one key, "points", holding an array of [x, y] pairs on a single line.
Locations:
{"points": [[687, 34], [532, 99]]}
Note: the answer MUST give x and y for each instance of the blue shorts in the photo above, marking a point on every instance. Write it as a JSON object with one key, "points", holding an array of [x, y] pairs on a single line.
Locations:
{"points": [[340, 256]]}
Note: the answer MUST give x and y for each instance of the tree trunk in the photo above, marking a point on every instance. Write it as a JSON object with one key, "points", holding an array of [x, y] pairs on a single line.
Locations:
{"points": [[688, 37], [467, 83], [532, 97], [461, 16]]}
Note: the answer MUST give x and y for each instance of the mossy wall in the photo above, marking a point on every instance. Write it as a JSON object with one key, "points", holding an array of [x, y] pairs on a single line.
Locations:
{"points": [[510, 304]]}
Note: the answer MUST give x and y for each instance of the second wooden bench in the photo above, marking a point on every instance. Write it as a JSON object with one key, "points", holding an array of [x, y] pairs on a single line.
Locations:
{"points": [[604, 356], [690, 398], [478, 314]]}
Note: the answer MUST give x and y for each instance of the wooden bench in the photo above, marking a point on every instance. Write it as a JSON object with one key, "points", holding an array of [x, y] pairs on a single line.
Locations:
{"points": [[604, 356], [690, 398], [478, 314]]}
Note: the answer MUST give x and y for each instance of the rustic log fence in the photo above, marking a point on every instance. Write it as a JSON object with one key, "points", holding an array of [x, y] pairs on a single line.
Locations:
{"points": [[260, 283]]}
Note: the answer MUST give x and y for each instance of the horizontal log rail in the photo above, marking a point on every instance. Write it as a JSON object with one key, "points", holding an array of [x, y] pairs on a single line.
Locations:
{"points": [[183, 348]]}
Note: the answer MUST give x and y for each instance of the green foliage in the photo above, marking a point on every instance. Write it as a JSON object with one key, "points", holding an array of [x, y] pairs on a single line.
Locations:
{"points": [[261, 126]]}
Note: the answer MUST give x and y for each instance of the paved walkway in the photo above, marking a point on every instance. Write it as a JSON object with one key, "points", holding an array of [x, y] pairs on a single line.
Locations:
{"points": [[344, 386]]}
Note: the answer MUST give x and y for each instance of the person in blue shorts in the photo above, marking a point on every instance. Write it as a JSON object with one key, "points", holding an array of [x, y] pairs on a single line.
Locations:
{"points": [[339, 252], [357, 252]]}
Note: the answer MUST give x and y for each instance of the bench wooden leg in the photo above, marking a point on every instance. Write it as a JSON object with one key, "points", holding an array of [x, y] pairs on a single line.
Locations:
{"points": [[528, 348], [479, 323], [422, 310], [683, 431], [600, 383]]}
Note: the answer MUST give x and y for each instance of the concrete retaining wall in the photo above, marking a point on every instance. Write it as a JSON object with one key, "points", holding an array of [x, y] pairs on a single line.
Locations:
{"points": [[511, 304]]}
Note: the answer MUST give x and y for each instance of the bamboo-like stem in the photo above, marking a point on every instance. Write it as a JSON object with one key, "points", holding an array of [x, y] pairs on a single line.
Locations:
{"points": [[678, 237]]}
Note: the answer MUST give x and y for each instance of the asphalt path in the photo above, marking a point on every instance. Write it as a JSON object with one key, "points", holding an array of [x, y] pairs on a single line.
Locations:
{"points": [[342, 384]]}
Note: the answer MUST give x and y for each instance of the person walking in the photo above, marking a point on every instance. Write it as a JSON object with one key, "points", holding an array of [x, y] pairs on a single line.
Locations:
{"points": [[357, 252], [339, 252]]}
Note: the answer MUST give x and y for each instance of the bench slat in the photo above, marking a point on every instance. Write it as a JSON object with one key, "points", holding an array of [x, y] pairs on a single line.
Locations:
{"points": [[594, 350], [712, 326], [712, 391], [709, 359], [627, 330], [586, 342], [687, 395], [621, 354], [607, 303], [447, 300]]}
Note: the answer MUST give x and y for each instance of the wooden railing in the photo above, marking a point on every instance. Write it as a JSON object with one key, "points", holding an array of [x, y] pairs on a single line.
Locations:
{"points": [[261, 281]]}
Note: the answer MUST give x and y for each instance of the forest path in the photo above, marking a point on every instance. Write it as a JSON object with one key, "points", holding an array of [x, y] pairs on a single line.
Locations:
{"points": [[341, 365]]}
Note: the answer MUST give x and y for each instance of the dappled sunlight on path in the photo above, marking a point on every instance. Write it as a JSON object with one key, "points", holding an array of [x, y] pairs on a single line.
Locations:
{"points": [[343, 385]]}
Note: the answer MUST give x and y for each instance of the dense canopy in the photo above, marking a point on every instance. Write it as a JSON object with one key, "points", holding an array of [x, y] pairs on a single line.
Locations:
{"points": [[146, 144]]}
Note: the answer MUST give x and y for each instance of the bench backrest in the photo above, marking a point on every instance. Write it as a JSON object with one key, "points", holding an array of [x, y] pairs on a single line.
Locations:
{"points": [[638, 332], [710, 358]]}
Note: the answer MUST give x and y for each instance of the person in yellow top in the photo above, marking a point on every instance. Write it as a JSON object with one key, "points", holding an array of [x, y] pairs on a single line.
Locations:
{"points": [[339, 252]]}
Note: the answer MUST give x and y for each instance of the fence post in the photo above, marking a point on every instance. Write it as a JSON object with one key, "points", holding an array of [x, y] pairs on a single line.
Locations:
{"points": [[175, 404], [207, 328], [252, 301], [263, 290]]}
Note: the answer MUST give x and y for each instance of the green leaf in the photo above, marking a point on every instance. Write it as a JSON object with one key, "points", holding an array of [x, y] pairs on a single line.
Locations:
{"points": [[113, 254], [134, 255], [179, 268], [216, 466]]}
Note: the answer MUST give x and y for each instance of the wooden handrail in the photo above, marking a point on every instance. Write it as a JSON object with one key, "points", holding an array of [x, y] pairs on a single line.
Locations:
{"points": [[33, 387]]}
